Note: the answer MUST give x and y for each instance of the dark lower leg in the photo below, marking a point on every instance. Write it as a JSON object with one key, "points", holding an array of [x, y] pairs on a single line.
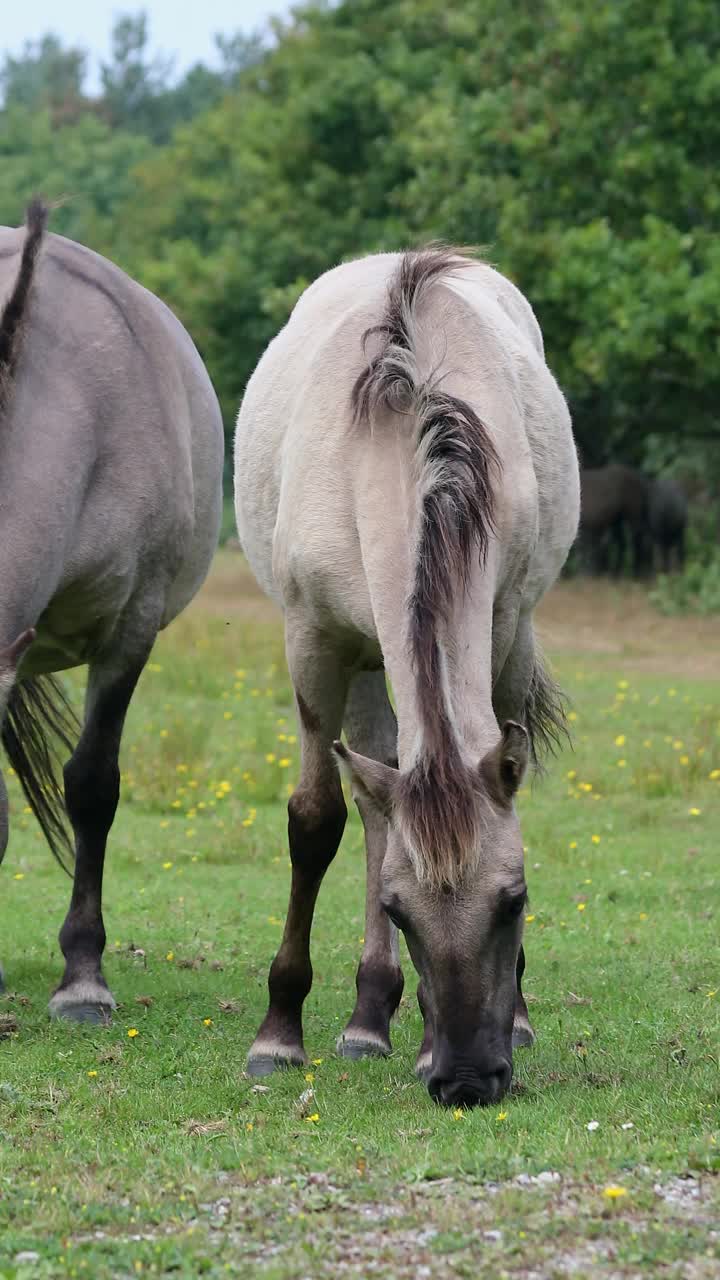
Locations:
{"points": [[315, 827], [371, 729], [379, 979], [92, 787], [423, 1063], [523, 1034]]}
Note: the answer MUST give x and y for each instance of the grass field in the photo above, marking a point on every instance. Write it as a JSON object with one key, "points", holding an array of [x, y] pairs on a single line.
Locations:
{"points": [[151, 1153]]}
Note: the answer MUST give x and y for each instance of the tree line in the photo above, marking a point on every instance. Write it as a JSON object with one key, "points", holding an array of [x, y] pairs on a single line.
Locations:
{"points": [[574, 141]]}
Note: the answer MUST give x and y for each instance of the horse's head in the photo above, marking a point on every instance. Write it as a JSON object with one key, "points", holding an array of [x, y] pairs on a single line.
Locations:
{"points": [[453, 882]]}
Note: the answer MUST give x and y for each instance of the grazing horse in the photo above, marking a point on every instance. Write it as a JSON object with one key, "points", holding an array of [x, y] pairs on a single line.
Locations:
{"points": [[615, 505], [111, 450], [407, 489]]}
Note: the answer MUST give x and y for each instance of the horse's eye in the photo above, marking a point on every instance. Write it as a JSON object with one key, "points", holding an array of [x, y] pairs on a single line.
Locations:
{"points": [[512, 907], [393, 915]]}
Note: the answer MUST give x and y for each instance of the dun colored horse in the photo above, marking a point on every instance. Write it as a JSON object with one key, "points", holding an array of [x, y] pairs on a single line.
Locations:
{"points": [[111, 458], [407, 489]]}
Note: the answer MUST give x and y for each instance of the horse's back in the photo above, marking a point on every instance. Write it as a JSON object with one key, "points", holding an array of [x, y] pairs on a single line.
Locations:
{"points": [[306, 478], [114, 425]]}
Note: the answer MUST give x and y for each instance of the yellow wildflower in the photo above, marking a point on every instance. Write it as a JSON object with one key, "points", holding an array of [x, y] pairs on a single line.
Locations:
{"points": [[581, 906], [207, 1022], [133, 1032], [501, 1115], [595, 839], [620, 740], [313, 1119], [458, 1114], [92, 1073], [614, 1193]]}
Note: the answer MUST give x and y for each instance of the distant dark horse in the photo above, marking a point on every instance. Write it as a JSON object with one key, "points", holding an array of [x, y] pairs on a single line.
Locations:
{"points": [[110, 464], [614, 508], [667, 520]]}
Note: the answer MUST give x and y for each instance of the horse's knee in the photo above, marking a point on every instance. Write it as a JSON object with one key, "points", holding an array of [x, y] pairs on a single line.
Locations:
{"points": [[92, 790], [316, 821]]}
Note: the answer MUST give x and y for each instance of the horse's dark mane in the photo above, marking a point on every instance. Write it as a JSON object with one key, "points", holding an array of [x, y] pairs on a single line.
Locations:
{"points": [[15, 309], [458, 465]]}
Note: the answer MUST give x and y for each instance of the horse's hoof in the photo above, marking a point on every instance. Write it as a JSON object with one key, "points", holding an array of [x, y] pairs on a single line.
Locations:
{"points": [[362, 1046], [423, 1067], [263, 1063], [97, 1013], [83, 1001], [523, 1035]]}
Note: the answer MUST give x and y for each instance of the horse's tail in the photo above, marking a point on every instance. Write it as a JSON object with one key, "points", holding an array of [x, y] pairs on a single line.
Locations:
{"points": [[14, 311], [458, 465], [38, 721], [545, 712]]}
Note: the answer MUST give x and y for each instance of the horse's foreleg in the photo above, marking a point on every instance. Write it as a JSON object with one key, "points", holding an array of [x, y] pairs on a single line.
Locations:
{"points": [[316, 820], [423, 1063], [371, 729], [512, 701], [92, 788]]}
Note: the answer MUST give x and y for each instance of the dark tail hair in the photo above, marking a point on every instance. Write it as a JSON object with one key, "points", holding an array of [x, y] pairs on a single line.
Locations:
{"points": [[38, 720], [11, 320], [545, 712], [459, 463]]}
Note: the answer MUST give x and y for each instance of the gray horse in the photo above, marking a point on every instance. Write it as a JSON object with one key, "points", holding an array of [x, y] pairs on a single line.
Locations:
{"points": [[407, 489], [111, 451]]}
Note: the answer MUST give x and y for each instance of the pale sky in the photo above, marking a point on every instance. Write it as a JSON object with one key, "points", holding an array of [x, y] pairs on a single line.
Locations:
{"points": [[179, 28]]}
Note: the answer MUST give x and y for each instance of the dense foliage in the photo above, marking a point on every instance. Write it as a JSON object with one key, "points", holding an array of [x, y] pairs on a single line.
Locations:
{"points": [[576, 140]]}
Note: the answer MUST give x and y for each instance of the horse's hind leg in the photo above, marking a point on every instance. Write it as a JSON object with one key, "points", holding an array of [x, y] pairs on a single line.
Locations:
{"points": [[92, 788], [316, 820], [371, 729]]}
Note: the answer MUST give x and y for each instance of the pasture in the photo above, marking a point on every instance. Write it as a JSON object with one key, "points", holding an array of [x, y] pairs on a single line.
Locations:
{"points": [[142, 1149]]}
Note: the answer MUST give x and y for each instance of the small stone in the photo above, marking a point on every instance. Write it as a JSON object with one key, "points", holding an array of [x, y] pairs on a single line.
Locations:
{"points": [[27, 1255]]}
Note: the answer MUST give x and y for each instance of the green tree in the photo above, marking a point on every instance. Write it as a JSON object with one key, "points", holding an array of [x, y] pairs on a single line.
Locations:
{"points": [[576, 139], [46, 76]]}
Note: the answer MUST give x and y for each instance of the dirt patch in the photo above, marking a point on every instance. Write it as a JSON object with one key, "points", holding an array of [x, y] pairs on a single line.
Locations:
{"points": [[578, 616], [598, 617]]}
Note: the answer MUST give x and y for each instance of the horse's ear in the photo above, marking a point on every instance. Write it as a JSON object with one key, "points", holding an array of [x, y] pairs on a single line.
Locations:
{"points": [[375, 780], [10, 656], [503, 767]]}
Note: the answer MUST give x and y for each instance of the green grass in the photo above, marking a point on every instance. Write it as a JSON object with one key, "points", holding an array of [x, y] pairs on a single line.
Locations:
{"points": [[154, 1155]]}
